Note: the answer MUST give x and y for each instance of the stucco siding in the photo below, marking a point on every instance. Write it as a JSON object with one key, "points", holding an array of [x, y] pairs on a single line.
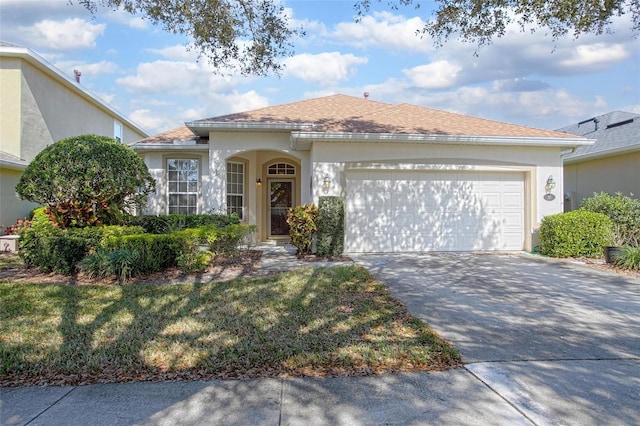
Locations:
{"points": [[612, 174], [10, 84], [12, 208]]}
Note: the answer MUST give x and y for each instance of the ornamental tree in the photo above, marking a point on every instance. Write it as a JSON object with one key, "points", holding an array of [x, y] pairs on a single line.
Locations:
{"points": [[86, 180], [480, 21], [249, 36]]}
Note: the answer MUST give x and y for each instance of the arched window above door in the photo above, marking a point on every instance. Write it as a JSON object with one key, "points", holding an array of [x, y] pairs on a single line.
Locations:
{"points": [[279, 169]]}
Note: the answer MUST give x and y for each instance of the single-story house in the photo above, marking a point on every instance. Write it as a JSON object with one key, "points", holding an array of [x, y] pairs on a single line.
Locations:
{"points": [[413, 179], [611, 164], [41, 105]]}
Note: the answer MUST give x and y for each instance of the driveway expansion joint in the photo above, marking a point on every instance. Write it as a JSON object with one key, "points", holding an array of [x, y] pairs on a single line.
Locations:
{"points": [[51, 406]]}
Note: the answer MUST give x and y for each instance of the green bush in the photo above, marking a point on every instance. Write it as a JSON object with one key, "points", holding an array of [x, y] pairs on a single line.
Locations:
{"points": [[156, 252], [629, 258], [103, 263], [52, 249], [86, 180], [228, 241], [303, 224], [166, 224], [624, 213], [330, 237], [575, 234]]}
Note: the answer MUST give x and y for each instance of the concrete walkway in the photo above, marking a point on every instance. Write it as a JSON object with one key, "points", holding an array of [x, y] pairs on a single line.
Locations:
{"points": [[504, 383]]}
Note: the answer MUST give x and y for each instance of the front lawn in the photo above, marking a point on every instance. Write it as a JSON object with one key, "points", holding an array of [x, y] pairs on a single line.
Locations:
{"points": [[308, 322]]}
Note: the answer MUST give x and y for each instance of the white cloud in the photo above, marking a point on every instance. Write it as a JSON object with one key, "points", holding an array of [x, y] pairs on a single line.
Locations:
{"points": [[597, 55], [96, 68], [73, 33], [125, 18], [323, 68], [176, 53], [436, 75], [386, 31], [176, 78], [152, 121], [170, 115]]}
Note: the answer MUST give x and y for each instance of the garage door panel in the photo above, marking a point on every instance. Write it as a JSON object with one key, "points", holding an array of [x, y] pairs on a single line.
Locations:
{"points": [[406, 211]]}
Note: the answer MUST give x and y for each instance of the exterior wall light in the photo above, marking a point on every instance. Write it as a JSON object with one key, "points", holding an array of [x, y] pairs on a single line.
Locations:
{"points": [[258, 181], [326, 182], [550, 184]]}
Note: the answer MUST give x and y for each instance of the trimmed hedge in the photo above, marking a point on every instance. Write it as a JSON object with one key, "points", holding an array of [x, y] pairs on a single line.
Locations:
{"points": [[52, 249], [155, 251], [575, 234], [165, 224], [330, 236]]}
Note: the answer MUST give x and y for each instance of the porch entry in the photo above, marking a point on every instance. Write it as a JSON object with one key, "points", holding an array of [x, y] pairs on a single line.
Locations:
{"points": [[281, 199]]}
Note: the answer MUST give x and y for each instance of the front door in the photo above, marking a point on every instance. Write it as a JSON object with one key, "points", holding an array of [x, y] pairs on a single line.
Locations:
{"points": [[280, 201]]}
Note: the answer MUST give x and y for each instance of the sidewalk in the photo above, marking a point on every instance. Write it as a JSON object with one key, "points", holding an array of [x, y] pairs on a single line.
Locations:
{"points": [[452, 397]]}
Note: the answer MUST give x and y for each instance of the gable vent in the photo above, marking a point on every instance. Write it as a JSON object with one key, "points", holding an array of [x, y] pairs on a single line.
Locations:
{"points": [[619, 123]]}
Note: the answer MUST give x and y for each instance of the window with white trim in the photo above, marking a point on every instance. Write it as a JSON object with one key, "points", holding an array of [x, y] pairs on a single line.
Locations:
{"points": [[183, 176], [281, 169], [117, 130], [235, 188]]}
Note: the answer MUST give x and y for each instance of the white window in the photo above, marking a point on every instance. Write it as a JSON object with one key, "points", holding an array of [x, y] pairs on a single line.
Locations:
{"points": [[235, 188], [182, 181], [281, 169], [117, 131]]}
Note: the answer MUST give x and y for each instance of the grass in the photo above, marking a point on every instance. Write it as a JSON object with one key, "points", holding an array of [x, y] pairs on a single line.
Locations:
{"points": [[308, 322]]}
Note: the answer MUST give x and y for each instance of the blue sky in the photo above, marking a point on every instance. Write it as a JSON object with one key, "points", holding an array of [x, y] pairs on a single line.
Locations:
{"points": [[149, 76]]}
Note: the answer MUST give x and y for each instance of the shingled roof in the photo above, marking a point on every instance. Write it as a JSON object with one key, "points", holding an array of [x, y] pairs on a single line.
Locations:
{"points": [[616, 132], [348, 114]]}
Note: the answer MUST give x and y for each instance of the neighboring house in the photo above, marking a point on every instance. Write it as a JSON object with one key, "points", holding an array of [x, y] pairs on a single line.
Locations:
{"points": [[413, 178], [39, 105], [610, 165]]}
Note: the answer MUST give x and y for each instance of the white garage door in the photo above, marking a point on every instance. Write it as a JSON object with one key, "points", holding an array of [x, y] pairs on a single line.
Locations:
{"points": [[412, 211]]}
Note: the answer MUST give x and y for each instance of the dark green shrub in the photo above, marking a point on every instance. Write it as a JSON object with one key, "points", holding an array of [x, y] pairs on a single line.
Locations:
{"points": [[303, 224], [629, 258], [166, 224], [156, 252], [86, 180], [330, 237], [121, 263], [52, 249], [624, 213], [575, 234]]}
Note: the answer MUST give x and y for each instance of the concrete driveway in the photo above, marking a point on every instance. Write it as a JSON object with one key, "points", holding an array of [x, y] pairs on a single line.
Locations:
{"points": [[558, 341]]}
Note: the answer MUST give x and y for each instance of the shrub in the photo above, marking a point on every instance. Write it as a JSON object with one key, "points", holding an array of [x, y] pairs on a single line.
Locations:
{"points": [[330, 237], [629, 258], [165, 224], [121, 263], [302, 222], [575, 234], [156, 252], [227, 241], [86, 180], [52, 249], [624, 213]]}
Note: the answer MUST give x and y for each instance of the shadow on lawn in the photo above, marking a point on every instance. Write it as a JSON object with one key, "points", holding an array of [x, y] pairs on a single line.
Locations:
{"points": [[310, 322]]}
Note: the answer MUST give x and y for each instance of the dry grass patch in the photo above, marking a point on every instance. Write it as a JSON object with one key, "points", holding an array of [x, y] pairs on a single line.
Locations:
{"points": [[308, 322]]}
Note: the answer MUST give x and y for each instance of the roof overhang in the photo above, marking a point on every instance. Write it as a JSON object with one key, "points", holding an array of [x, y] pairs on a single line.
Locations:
{"points": [[601, 154], [169, 147], [43, 65], [202, 128], [301, 140], [13, 165]]}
